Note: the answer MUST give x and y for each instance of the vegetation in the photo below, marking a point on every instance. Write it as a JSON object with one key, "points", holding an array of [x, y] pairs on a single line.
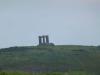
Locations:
{"points": [[50, 60], [50, 73]]}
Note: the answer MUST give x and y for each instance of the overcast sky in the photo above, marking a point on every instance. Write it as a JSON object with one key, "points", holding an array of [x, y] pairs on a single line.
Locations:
{"points": [[70, 22]]}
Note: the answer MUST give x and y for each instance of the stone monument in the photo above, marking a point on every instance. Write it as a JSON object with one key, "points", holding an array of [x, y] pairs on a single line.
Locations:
{"points": [[44, 40]]}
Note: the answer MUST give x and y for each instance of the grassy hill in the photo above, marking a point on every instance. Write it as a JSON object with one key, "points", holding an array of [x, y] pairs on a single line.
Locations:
{"points": [[60, 58]]}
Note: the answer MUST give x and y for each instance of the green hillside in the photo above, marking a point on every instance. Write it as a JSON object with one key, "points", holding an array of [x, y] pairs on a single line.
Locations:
{"points": [[61, 58]]}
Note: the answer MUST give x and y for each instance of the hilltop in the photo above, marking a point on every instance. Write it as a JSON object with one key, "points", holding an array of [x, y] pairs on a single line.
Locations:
{"points": [[51, 58]]}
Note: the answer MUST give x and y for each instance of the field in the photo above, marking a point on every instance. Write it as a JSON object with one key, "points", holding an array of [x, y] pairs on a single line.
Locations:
{"points": [[50, 60], [52, 73]]}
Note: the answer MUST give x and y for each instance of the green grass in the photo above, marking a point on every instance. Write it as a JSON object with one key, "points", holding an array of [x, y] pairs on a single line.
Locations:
{"points": [[52, 73], [72, 57]]}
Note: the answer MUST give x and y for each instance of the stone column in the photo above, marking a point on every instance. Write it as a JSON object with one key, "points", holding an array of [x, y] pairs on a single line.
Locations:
{"points": [[47, 39], [43, 39], [40, 40]]}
